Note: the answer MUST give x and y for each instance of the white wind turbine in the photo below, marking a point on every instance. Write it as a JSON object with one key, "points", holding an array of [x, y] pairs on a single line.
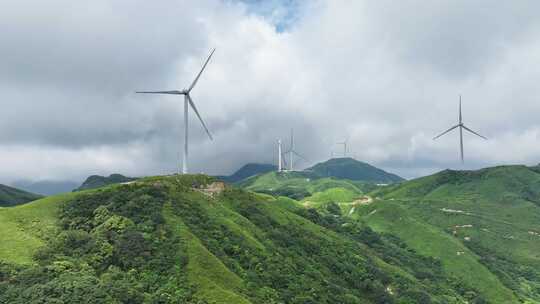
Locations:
{"points": [[292, 152], [187, 102], [280, 161], [344, 143], [461, 127]]}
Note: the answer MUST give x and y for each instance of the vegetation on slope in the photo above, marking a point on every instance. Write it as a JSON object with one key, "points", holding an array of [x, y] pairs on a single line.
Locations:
{"points": [[11, 196], [27, 227], [490, 215], [170, 240], [482, 225]]}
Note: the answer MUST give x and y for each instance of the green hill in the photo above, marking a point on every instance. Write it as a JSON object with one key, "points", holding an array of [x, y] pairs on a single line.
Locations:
{"points": [[98, 181], [348, 168], [483, 225], [11, 196], [300, 185], [186, 239]]}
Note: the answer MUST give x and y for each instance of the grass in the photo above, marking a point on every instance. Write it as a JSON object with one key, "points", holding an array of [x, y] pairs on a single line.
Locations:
{"points": [[431, 241], [211, 277], [336, 195], [24, 228]]}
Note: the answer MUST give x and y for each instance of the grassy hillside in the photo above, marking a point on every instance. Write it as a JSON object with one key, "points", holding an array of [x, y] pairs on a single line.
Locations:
{"points": [[178, 240], [482, 224], [11, 196], [27, 227]]}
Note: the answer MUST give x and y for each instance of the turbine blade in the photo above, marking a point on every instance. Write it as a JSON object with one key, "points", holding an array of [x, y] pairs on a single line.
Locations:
{"points": [[198, 115], [160, 92], [199, 75], [452, 128], [464, 127], [295, 153]]}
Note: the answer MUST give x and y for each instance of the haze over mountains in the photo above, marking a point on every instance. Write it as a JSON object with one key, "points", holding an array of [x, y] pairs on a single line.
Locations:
{"points": [[46, 187]]}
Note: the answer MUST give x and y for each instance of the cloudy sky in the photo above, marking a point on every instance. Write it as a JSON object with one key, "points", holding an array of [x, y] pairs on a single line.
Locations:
{"points": [[385, 74]]}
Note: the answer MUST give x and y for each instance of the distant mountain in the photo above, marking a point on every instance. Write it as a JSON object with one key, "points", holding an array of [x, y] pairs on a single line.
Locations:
{"points": [[348, 168], [46, 187], [11, 196], [248, 171], [98, 181], [347, 174]]}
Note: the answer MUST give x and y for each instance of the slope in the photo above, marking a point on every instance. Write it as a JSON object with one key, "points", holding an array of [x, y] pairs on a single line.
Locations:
{"points": [[25, 228]]}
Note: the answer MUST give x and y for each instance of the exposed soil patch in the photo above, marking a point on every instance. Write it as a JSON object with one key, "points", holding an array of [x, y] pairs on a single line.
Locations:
{"points": [[212, 189]]}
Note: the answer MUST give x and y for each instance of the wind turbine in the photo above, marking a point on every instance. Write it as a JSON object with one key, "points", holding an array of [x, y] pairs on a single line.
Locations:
{"points": [[461, 127], [187, 102], [280, 162], [292, 152], [344, 143]]}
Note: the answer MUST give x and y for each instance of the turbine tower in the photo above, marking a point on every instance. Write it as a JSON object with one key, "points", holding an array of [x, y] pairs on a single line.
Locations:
{"points": [[461, 127], [344, 143], [187, 102], [292, 152], [279, 155]]}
